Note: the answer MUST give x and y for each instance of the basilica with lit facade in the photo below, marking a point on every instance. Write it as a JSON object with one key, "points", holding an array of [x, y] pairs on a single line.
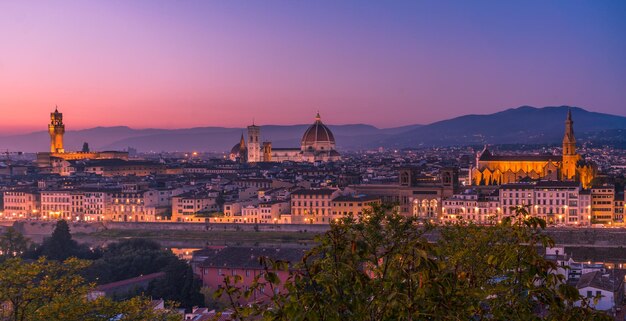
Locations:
{"points": [[493, 169], [317, 144]]}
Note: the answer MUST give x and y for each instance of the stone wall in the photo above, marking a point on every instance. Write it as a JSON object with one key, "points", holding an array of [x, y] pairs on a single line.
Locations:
{"points": [[588, 237], [30, 228], [217, 227]]}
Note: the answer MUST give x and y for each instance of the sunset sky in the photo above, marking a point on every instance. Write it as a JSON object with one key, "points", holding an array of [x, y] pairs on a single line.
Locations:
{"points": [[171, 64]]}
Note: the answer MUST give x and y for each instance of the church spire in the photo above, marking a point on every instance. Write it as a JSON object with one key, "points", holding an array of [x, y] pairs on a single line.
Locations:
{"points": [[242, 142], [569, 141]]}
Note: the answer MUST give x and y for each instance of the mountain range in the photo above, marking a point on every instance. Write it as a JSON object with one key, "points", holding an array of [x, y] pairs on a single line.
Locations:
{"points": [[528, 125]]}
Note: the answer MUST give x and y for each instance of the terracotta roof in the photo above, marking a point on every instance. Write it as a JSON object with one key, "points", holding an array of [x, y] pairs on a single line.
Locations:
{"points": [[356, 198], [557, 184], [248, 257], [236, 149], [520, 158], [139, 279], [317, 132], [324, 191]]}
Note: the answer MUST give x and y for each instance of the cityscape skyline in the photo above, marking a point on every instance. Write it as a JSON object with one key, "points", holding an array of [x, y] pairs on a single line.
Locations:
{"points": [[327, 160], [223, 64]]}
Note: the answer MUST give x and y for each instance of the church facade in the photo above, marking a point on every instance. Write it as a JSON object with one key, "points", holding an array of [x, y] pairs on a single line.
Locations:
{"points": [[317, 144], [493, 169]]}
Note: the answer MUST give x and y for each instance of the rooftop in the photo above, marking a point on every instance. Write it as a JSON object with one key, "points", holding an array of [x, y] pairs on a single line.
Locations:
{"points": [[248, 257]]}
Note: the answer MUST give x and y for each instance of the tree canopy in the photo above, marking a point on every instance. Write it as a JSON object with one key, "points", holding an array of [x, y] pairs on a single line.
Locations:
{"points": [[53, 291], [379, 266], [60, 246], [12, 243], [134, 257]]}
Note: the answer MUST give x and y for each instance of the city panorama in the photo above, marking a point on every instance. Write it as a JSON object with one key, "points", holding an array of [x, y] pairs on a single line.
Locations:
{"points": [[405, 160]]}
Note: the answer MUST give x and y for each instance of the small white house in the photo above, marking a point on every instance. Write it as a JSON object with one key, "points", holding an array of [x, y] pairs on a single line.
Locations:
{"points": [[608, 287]]}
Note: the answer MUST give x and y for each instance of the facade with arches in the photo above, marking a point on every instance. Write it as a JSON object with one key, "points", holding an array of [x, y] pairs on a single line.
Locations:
{"points": [[416, 194], [493, 169]]}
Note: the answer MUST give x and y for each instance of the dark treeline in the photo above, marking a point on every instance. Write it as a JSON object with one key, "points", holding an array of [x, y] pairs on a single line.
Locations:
{"points": [[115, 262]]}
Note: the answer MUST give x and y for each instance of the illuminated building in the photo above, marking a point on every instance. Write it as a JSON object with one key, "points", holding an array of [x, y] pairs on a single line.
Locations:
{"points": [[553, 201], [56, 129], [416, 194], [188, 205], [317, 144], [312, 206], [352, 205], [570, 166], [472, 205], [19, 204], [603, 204]]}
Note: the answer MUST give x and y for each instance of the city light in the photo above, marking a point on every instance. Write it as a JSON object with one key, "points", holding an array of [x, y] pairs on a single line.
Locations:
{"points": [[370, 137]]}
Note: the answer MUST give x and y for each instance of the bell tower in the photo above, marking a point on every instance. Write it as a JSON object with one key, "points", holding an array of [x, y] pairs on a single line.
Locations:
{"points": [[570, 157], [56, 129], [254, 146]]}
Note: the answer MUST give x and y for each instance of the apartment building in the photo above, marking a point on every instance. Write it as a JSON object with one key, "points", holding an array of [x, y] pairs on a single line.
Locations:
{"points": [[95, 204], [20, 203], [602, 204], [472, 205], [59, 204], [188, 205], [265, 213], [312, 206], [352, 205], [554, 201]]}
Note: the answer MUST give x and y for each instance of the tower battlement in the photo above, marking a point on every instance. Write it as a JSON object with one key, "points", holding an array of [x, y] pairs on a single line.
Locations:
{"points": [[56, 129]]}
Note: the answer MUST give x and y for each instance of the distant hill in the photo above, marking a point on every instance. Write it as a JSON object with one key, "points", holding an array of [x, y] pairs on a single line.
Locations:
{"points": [[525, 124], [216, 139], [516, 125]]}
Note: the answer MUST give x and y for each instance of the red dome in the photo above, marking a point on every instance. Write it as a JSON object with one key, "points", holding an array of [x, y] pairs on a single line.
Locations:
{"points": [[318, 132]]}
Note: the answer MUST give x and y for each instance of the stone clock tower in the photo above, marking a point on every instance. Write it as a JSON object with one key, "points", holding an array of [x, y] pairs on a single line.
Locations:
{"points": [[56, 128]]}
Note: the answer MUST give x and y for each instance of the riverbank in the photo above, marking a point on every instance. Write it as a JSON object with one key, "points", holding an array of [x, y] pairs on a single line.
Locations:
{"points": [[231, 236]]}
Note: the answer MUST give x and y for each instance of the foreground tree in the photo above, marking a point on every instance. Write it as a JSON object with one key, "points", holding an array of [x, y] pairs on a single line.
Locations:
{"points": [[131, 258], [28, 287], [127, 259], [60, 246], [179, 284], [12, 243], [53, 290], [381, 267]]}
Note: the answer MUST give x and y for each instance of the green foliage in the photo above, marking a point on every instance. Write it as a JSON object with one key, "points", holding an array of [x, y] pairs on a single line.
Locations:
{"points": [[55, 291], [179, 284], [60, 246], [12, 243], [379, 266], [134, 257], [30, 286], [127, 259]]}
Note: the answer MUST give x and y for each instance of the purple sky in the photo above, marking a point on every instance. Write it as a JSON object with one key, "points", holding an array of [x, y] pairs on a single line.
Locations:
{"points": [[172, 64]]}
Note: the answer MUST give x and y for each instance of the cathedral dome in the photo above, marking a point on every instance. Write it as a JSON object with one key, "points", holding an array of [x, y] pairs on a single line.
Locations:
{"points": [[235, 150], [239, 151], [316, 134]]}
